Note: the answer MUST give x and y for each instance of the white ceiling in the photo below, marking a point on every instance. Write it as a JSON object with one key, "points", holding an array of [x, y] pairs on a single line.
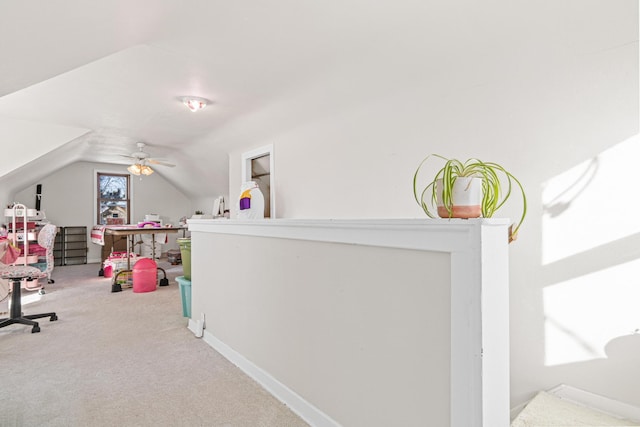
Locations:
{"points": [[85, 81]]}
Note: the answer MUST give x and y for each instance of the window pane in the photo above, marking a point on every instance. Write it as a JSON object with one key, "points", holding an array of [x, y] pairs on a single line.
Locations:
{"points": [[113, 187], [112, 209]]}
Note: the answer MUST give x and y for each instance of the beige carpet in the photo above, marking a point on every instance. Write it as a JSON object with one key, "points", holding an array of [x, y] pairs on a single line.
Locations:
{"points": [[122, 359]]}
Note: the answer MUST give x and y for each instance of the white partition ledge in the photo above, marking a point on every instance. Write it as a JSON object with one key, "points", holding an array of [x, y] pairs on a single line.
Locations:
{"points": [[479, 293]]}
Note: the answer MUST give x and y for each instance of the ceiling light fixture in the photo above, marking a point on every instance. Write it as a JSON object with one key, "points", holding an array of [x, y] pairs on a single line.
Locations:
{"points": [[138, 169], [195, 103]]}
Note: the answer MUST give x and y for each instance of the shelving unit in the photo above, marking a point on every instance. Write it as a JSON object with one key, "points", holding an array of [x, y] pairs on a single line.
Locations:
{"points": [[57, 248], [74, 245], [22, 231]]}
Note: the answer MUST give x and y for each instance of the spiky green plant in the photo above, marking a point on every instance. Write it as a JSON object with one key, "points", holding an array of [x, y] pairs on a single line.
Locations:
{"points": [[493, 196]]}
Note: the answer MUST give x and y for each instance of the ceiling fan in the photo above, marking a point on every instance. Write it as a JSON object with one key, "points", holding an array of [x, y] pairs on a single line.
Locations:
{"points": [[142, 160]]}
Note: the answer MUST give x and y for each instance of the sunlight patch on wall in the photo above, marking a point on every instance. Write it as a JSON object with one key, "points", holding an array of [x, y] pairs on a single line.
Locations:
{"points": [[585, 313], [589, 205]]}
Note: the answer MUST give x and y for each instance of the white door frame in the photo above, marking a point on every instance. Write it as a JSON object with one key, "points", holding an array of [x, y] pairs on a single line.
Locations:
{"points": [[246, 171]]}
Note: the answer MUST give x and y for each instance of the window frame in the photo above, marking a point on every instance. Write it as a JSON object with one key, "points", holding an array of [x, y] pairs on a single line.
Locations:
{"points": [[98, 199]]}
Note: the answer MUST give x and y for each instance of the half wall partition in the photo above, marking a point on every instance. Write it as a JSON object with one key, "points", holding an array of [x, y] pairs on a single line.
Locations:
{"points": [[362, 322]]}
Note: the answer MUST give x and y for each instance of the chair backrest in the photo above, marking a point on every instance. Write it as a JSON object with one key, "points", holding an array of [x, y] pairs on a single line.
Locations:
{"points": [[47, 236], [46, 239]]}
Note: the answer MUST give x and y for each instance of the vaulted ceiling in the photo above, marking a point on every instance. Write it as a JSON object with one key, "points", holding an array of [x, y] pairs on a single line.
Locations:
{"points": [[85, 81]]}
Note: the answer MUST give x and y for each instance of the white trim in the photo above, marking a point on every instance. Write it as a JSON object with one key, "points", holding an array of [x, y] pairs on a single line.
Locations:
{"points": [[297, 404], [479, 294], [439, 235], [595, 401], [246, 171]]}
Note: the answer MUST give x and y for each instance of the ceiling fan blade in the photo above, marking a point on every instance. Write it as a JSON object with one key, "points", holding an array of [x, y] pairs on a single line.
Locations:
{"points": [[160, 162]]}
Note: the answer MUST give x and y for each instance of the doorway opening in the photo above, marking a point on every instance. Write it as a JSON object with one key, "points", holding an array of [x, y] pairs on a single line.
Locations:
{"points": [[257, 165]]}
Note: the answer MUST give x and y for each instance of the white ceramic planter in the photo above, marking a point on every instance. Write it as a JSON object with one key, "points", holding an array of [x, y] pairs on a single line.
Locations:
{"points": [[467, 198]]}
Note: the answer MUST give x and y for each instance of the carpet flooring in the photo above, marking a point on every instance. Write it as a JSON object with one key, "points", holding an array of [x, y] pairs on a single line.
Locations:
{"points": [[546, 410], [122, 359]]}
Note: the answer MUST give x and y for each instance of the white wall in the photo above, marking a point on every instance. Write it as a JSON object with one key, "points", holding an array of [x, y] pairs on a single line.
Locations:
{"points": [[344, 326], [539, 87], [68, 198]]}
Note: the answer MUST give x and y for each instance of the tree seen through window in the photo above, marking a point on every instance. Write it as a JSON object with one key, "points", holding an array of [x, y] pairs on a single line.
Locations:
{"points": [[113, 197]]}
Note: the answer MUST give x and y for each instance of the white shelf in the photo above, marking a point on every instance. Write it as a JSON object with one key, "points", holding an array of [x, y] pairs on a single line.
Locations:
{"points": [[31, 213]]}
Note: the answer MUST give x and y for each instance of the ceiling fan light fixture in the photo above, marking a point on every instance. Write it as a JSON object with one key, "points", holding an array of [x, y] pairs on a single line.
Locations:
{"points": [[140, 162], [146, 170], [195, 103], [138, 169], [134, 169]]}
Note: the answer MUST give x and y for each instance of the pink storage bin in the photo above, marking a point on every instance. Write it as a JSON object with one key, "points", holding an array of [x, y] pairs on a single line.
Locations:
{"points": [[145, 275]]}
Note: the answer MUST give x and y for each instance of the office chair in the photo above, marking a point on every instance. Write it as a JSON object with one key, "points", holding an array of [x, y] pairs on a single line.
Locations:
{"points": [[46, 239], [15, 274]]}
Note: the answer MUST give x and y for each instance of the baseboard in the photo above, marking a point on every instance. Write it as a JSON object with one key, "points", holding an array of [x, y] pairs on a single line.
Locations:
{"points": [[305, 410], [601, 403], [590, 400]]}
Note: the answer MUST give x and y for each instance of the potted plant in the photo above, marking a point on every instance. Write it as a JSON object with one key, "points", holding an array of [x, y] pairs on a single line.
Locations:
{"points": [[487, 186]]}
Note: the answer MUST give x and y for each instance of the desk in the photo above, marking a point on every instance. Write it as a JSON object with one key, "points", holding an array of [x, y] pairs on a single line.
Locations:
{"points": [[130, 231]]}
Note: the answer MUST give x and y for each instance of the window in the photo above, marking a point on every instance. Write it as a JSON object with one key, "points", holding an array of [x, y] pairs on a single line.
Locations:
{"points": [[113, 197]]}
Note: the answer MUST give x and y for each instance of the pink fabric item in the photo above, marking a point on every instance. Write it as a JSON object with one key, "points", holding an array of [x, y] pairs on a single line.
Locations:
{"points": [[10, 255], [97, 234], [34, 249]]}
